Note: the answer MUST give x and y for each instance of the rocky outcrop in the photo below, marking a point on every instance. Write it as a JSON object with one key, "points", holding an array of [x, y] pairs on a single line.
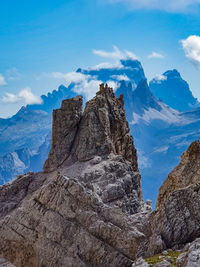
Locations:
{"points": [[101, 130], [77, 212], [64, 224], [96, 148], [176, 219], [86, 207], [64, 128], [191, 258], [186, 173]]}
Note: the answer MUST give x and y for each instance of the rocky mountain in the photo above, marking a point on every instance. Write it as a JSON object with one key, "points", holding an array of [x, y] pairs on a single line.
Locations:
{"points": [[161, 133], [70, 215], [86, 207], [174, 91]]}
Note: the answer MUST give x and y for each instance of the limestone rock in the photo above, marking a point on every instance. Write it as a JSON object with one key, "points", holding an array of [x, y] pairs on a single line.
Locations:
{"points": [[64, 128], [140, 263], [4, 263], [97, 149], [176, 220], [163, 264], [186, 173], [192, 257], [64, 224], [77, 212], [102, 129]]}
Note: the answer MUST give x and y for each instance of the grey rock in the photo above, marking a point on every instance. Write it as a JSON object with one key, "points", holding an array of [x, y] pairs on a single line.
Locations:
{"points": [[169, 259], [140, 263], [163, 264], [4, 263], [64, 128], [191, 258], [176, 219], [77, 212], [185, 174]]}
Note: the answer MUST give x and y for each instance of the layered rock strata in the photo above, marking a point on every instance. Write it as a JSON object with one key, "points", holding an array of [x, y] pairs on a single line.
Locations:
{"points": [[77, 212], [176, 219]]}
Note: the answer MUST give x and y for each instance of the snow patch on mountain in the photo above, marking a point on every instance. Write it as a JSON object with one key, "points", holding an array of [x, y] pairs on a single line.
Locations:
{"points": [[17, 162], [165, 114]]}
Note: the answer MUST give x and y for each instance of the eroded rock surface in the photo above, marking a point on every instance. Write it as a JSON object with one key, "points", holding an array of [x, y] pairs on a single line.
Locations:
{"points": [[83, 209], [186, 173], [191, 258], [176, 219]]}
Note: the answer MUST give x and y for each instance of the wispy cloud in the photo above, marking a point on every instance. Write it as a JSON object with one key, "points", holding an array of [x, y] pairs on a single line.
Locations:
{"points": [[191, 47], [159, 78], [2, 80], [120, 77], [116, 54], [155, 55], [13, 74], [166, 5], [88, 88], [25, 96], [70, 77], [106, 65]]}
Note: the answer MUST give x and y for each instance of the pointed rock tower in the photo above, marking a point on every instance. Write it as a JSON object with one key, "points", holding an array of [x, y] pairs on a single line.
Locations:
{"points": [[77, 212]]}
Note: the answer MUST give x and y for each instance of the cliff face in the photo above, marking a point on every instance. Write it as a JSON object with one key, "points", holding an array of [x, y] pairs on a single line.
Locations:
{"points": [[176, 219], [76, 212], [101, 130], [185, 174]]}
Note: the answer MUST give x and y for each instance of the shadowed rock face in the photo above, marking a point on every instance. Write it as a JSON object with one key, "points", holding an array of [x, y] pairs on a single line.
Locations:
{"points": [[176, 220], [185, 174], [76, 212], [64, 128]]}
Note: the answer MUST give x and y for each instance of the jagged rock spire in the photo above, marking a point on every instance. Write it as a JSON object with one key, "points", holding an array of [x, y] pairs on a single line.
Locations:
{"points": [[101, 130]]}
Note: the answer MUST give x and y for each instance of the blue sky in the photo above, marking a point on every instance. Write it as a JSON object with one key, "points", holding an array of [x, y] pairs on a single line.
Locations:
{"points": [[38, 38]]}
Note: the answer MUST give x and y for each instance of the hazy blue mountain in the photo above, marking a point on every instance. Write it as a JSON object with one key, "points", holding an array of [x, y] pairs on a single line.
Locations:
{"points": [[53, 100], [174, 91], [26, 129]]}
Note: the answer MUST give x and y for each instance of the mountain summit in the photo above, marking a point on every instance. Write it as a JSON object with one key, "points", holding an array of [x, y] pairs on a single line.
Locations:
{"points": [[174, 91]]}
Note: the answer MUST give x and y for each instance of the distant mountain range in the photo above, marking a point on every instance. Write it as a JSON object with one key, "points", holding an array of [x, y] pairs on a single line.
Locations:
{"points": [[163, 116]]}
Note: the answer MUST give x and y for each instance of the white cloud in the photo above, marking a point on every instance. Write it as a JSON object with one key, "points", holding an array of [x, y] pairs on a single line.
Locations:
{"points": [[116, 54], [113, 85], [107, 65], [159, 78], [166, 5], [88, 88], [191, 47], [13, 74], [70, 77], [25, 96], [120, 77], [2, 80], [155, 55]]}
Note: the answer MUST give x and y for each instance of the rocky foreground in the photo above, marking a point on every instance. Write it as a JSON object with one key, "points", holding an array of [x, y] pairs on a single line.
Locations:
{"points": [[86, 207]]}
